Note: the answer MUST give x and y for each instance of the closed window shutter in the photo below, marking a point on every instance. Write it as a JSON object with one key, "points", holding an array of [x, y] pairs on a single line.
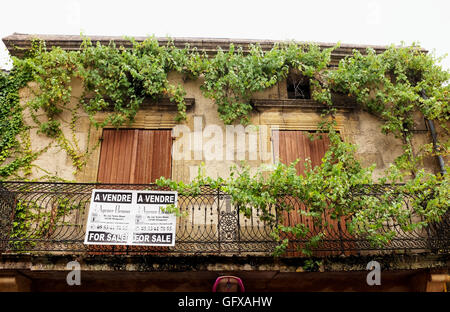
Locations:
{"points": [[294, 145], [135, 156]]}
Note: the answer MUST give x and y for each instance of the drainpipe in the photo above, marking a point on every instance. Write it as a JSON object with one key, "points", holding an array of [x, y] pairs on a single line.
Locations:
{"points": [[434, 137], [435, 146]]}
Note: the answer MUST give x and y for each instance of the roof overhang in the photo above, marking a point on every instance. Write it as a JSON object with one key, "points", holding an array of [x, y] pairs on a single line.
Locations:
{"points": [[17, 44]]}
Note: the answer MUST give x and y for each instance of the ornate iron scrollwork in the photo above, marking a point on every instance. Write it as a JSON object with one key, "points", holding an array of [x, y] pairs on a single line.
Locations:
{"points": [[214, 226], [228, 226]]}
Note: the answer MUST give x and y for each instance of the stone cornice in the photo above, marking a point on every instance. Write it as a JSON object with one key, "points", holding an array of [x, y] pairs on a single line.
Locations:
{"points": [[18, 43]]}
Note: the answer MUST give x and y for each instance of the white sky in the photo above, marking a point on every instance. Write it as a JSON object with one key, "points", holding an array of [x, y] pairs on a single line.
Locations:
{"points": [[380, 22]]}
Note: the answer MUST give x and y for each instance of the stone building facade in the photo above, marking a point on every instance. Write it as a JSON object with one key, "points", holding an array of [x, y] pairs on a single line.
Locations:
{"points": [[204, 138]]}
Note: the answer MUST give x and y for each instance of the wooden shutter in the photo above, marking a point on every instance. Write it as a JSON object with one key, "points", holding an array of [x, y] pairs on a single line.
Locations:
{"points": [[296, 144], [293, 145], [135, 156]]}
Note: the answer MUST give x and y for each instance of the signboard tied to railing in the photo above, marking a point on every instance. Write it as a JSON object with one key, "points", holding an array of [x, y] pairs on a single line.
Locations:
{"points": [[131, 217]]}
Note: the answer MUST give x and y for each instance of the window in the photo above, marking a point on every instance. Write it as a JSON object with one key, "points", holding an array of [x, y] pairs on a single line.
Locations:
{"points": [[298, 86], [295, 144], [135, 156]]}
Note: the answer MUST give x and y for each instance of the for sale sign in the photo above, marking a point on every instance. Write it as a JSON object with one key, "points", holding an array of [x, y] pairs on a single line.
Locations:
{"points": [[134, 218]]}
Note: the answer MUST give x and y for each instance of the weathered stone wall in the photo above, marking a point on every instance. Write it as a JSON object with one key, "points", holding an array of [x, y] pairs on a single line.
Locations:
{"points": [[355, 126]]}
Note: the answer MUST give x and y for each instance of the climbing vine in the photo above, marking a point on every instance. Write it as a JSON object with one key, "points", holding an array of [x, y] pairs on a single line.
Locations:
{"points": [[15, 147], [232, 77], [32, 222], [394, 85], [340, 188]]}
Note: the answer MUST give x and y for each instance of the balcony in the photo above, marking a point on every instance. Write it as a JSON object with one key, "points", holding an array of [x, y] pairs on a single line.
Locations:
{"points": [[213, 225]]}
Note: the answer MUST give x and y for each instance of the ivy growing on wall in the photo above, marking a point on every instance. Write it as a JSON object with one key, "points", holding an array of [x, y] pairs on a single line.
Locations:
{"points": [[232, 77], [340, 188], [15, 146], [33, 223], [393, 85]]}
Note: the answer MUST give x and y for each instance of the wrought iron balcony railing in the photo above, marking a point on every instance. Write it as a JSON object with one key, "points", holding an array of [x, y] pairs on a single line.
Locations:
{"points": [[41, 217]]}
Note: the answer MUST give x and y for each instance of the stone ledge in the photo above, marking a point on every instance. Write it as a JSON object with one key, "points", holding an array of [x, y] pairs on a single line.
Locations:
{"points": [[163, 103], [157, 263], [299, 103]]}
